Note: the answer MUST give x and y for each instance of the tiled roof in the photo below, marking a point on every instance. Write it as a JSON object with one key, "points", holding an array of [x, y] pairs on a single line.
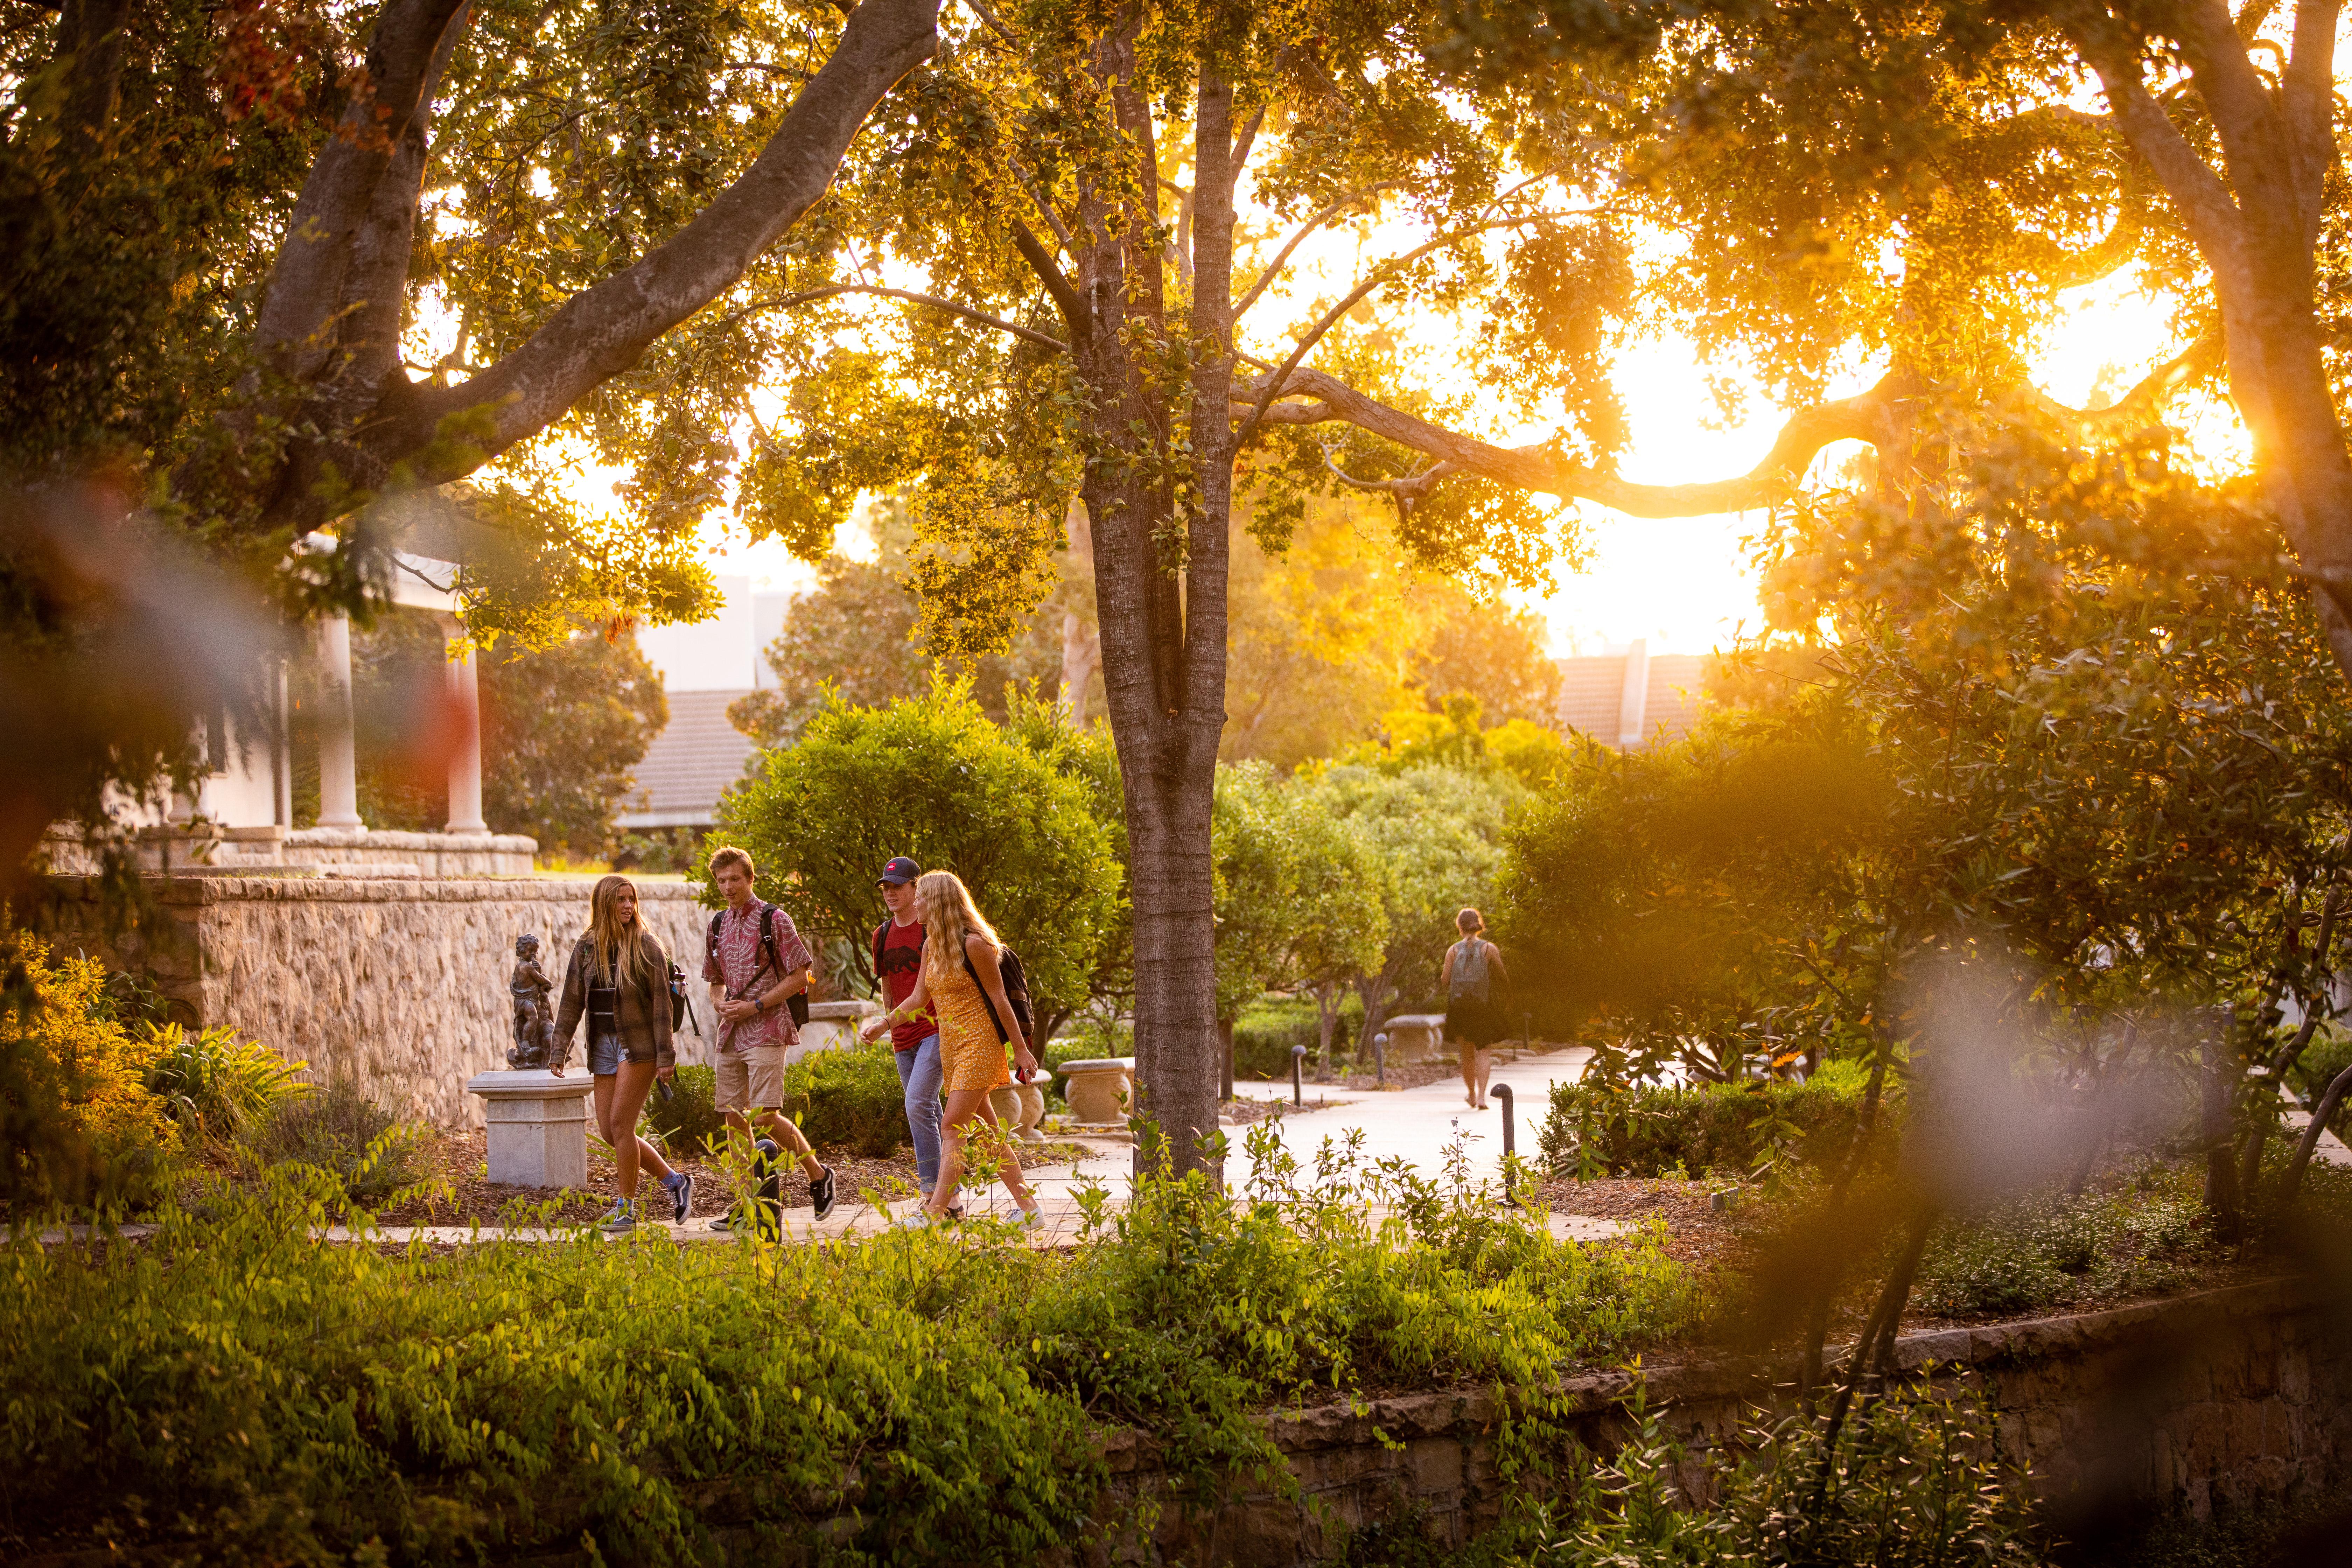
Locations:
{"points": [[1592, 694], [691, 763]]}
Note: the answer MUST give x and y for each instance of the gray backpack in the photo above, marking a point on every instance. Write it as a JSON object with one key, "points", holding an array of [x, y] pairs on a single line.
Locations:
{"points": [[1472, 980]]}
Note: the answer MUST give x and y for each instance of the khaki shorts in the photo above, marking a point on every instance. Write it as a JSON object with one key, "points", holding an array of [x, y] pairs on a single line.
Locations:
{"points": [[751, 1080]]}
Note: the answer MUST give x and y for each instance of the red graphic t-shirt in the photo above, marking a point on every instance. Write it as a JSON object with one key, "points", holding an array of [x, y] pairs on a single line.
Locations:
{"points": [[902, 963]]}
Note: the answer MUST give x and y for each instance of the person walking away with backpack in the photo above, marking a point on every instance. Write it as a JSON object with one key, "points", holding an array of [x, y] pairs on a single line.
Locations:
{"points": [[1473, 1022], [618, 979], [964, 979], [757, 964], [915, 1044]]}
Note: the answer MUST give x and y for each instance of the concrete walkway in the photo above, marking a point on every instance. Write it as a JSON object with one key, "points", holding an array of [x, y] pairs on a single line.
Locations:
{"points": [[1416, 1125]]}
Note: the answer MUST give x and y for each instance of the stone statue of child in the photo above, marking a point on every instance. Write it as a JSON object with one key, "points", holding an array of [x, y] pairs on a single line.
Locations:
{"points": [[534, 1023]]}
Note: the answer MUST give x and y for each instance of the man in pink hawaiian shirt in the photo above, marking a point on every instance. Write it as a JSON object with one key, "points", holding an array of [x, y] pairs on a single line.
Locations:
{"points": [[756, 962]]}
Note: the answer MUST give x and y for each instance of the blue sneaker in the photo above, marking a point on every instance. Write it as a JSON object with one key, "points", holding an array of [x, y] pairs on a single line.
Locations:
{"points": [[621, 1220], [681, 1194]]}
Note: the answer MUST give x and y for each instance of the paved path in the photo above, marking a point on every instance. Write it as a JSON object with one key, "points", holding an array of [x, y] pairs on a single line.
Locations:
{"points": [[1416, 1124], [1420, 1124]]}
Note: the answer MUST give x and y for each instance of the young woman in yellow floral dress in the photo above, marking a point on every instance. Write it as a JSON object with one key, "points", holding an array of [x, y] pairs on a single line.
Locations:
{"points": [[963, 984]]}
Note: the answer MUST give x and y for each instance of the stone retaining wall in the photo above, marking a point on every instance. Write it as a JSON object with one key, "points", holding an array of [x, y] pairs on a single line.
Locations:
{"points": [[401, 982], [2237, 1397]]}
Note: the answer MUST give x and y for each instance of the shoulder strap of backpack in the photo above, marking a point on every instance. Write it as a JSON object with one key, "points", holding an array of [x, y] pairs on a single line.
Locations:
{"points": [[714, 931], [880, 933], [768, 937]]}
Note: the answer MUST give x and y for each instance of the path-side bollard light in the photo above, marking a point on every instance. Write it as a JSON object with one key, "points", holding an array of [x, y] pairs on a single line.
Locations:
{"points": [[1299, 1075], [1380, 1060], [1502, 1091]]}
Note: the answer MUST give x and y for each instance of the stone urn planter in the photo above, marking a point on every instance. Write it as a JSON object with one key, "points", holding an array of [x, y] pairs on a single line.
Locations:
{"points": [[1100, 1089], [537, 1126], [1020, 1106]]}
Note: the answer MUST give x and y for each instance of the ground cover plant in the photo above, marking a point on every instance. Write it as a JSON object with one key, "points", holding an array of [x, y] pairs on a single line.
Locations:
{"points": [[849, 1099], [1603, 1124], [246, 1390]]}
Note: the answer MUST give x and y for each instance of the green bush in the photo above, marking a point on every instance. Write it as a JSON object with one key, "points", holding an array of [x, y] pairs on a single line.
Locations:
{"points": [[217, 1084], [2329, 1053], [849, 1099], [2047, 1249], [1600, 1128], [1269, 1026], [919, 1397], [368, 1152], [688, 1122], [1916, 1482]]}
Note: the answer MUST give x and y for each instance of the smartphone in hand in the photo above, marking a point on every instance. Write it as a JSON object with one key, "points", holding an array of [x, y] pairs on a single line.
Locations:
{"points": [[662, 1086]]}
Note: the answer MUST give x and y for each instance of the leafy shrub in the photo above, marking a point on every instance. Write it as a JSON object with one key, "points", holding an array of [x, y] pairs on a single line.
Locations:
{"points": [[2048, 1249], [364, 1150], [2328, 1054], [849, 1099], [77, 1121], [1596, 1128], [690, 1121], [216, 1084], [1268, 1027], [1915, 1482], [919, 1397]]}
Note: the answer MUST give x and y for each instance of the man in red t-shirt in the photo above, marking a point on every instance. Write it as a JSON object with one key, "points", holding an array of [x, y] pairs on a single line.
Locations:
{"points": [[897, 960]]}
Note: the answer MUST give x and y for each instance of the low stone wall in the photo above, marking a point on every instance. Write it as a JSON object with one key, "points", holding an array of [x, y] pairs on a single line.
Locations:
{"points": [[2240, 1397], [401, 982]]}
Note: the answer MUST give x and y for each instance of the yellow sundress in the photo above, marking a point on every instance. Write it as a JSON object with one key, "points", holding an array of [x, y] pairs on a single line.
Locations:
{"points": [[970, 1056]]}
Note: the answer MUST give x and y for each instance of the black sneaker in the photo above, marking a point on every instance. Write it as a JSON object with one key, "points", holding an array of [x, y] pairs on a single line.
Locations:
{"points": [[821, 1193], [723, 1224], [681, 1196]]}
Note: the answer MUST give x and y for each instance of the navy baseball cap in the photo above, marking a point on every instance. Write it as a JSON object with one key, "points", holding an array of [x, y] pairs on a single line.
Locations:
{"points": [[900, 871]]}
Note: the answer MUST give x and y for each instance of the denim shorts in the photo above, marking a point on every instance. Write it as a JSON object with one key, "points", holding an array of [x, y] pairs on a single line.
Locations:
{"points": [[605, 1054]]}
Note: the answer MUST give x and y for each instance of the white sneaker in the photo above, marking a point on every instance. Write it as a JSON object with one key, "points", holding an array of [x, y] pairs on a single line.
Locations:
{"points": [[914, 1219], [1033, 1219]]}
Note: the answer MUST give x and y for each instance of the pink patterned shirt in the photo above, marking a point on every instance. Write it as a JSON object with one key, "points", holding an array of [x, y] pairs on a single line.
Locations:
{"points": [[745, 972]]}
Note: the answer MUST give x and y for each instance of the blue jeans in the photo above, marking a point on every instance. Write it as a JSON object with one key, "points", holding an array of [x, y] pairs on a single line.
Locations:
{"points": [[918, 1073]]}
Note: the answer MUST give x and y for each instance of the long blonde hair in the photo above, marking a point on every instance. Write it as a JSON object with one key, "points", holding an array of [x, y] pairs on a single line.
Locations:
{"points": [[944, 906], [606, 951]]}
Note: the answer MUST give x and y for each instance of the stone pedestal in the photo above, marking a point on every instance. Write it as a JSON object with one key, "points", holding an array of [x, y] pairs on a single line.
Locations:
{"points": [[1021, 1106], [1415, 1038], [831, 1027], [537, 1126], [1100, 1089]]}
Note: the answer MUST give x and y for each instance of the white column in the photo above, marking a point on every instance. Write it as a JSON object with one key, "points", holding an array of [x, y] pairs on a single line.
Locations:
{"points": [[339, 776], [281, 754], [465, 755], [1633, 702]]}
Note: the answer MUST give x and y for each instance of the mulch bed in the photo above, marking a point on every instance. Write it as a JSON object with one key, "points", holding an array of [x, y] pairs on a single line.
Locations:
{"points": [[458, 1158], [1695, 1232]]}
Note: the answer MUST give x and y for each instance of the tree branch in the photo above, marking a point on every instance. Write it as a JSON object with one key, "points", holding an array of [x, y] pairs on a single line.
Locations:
{"points": [[1309, 227], [977, 317], [2307, 95], [2137, 409], [1378, 276], [306, 283], [1539, 468], [2205, 203], [603, 329], [1049, 273]]}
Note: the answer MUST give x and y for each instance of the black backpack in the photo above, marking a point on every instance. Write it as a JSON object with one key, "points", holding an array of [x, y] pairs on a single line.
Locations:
{"points": [[1016, 993], [797, 1003]]}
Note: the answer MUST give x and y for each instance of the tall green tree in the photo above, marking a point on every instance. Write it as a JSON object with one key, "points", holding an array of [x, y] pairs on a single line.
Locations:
{"points": [[268, 266], [933, 778], [1437, 835]]}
